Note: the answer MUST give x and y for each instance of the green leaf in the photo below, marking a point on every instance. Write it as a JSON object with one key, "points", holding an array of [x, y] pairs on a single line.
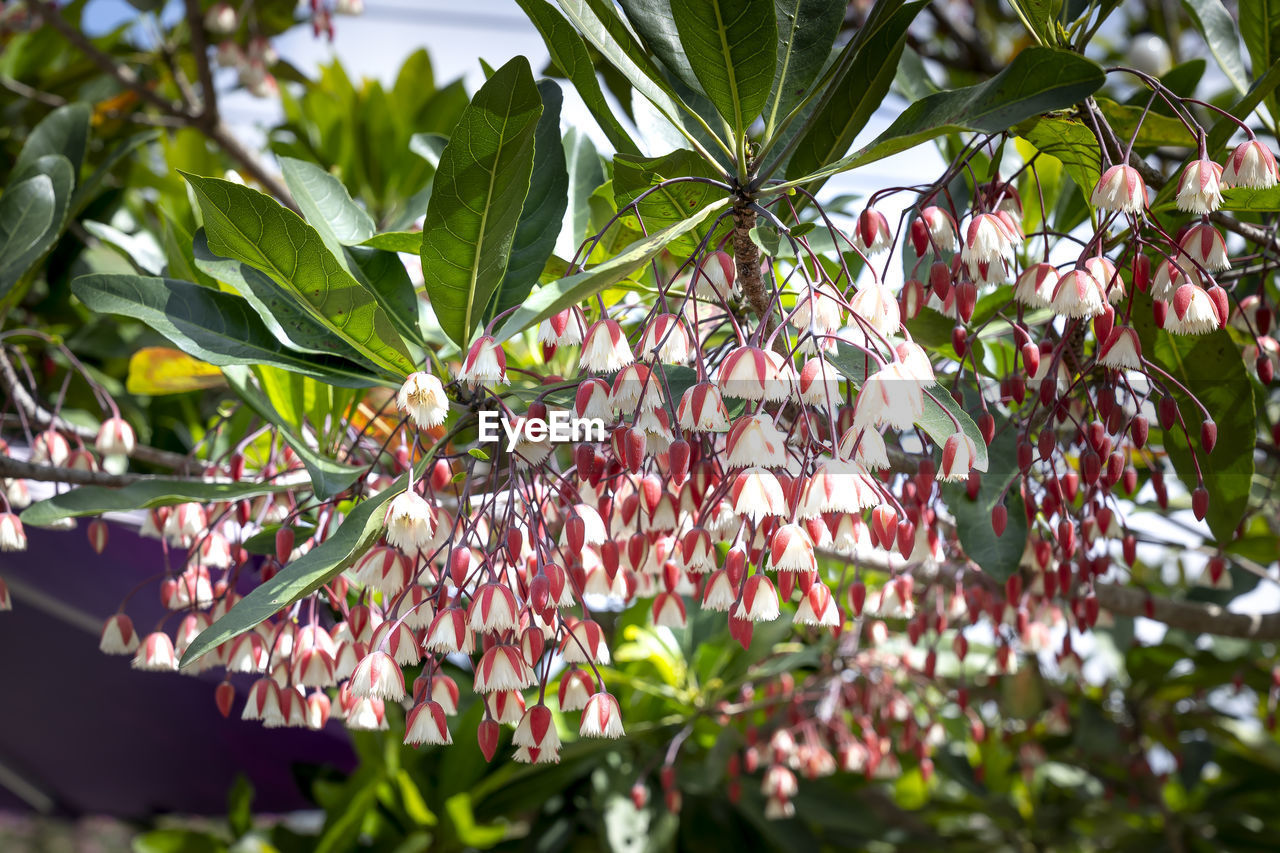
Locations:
{"points": [[557, 295], [327, 205], [939, 408], [1212, 368], [144, 494], [806, 31], [357, 534], [569, 53], [544, 207], [245, 225], [1040, 17], [65, 132], [386, 277], [1039, 80], [291, 324], [429, 146], [396, 241], [1260, 26], [17, 223], [849, 101], [1248, 199], [998, 556], [1219, 31], [1153, 129], [88, 188], [732, 47], [240, 806], [633, 176], [585, 174], [177, 841], [478, 194], [26, 214], [655, 23], [328, 476], [609, 34], [218, 327], [1069, 141]]}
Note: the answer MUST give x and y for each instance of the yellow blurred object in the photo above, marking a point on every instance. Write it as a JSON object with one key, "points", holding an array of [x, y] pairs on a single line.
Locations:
{"points": [[160, 370]]}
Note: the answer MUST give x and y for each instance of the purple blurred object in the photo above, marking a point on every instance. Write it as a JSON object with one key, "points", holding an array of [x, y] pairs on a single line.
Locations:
{"points": [[83, 733]]}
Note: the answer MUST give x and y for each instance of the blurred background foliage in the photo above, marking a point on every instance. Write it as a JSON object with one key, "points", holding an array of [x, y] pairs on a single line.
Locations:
{"points": [[1165, 749]]}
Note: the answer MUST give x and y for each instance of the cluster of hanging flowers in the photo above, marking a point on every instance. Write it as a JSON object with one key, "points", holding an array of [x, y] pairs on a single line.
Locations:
{"points": [[773, 444]]}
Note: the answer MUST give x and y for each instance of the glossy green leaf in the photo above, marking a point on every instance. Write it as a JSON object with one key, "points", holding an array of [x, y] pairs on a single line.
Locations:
{"points": [[328, 476], [1247, 199], [64, 132], [557, 295], [732, 48], [544, 208], [245, 225], [358, 532], [997, 556], [1219, 31], [429, 146], [1069, 141], [1153, 129], [478, 194], [672, 202], [26, 214], [570, 55], [1260, 27], [327, 205], [19, 220], [217, 327], [585, 174], [386, 277], [654, 22], [599, 24], [396, 241], [144, 494], [849, 100], [1040, 17], [279, 311], [1039, 80], [807, 29], [1211, 367]]}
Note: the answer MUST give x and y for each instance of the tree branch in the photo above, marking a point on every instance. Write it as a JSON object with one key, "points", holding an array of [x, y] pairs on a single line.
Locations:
{"points": [[207, 120], [1193, 617], [123, 73], [200, 47], [11, 468], [44, 419]]}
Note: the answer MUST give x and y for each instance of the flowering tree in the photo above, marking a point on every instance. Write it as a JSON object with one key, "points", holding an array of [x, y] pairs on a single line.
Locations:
{"points": [[898, 448]]}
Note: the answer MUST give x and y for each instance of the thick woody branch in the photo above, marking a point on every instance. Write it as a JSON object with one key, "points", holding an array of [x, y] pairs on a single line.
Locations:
{"points": [[746, 257], [1189, 616]]}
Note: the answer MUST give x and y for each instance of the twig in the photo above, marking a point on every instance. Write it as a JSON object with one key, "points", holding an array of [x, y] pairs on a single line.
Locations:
{"points": [[11, 468], [43, 418], [123, 73]]}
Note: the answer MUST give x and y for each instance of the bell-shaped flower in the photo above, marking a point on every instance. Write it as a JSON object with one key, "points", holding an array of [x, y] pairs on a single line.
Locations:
{"points": [[486, 364], [422, 398], [601, 718]]}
